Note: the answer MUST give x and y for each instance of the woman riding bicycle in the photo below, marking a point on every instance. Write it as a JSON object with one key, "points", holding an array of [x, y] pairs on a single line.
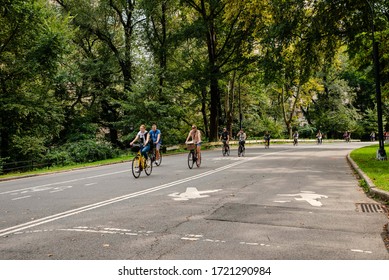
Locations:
{"points": [[195, 135], [144, 138]]}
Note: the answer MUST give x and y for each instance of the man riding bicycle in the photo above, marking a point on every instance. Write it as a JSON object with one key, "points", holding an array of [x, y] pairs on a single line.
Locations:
{"points": [[242, 137], [267, 139], [225, 138], [155, 135], [295, 138]]}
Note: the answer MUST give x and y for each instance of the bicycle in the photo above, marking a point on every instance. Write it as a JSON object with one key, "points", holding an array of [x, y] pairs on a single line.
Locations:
{"points": [[192, 156], [153, 156], [241, 149], [139, 163], [226, 149], [295, 141], [267, 142]]}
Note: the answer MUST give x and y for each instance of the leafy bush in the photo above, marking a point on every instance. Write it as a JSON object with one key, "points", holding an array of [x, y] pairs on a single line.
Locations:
{"points": [[58, 157], [83, 151]]}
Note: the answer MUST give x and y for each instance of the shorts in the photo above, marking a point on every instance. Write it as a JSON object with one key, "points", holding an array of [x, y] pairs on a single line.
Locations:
{"points": [[198, 144]]}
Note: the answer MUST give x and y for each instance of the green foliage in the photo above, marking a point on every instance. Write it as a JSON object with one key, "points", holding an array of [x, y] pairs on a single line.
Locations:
{"points": [[82, 151], [32, 41], [79, 73]]}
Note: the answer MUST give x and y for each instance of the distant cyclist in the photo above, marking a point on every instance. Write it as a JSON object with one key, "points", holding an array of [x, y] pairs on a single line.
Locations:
{"points": [[155, 135], [225, 138], [319, 137], [267, 139], [242, 137], [295, 138], [144, 138]]}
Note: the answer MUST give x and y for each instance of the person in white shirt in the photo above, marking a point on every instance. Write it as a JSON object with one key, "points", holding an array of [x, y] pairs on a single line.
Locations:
{"points": [[144, 138]]}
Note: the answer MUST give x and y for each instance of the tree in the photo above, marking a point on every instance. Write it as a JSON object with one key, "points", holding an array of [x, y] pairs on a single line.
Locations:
{"points": [[109, 31], [32, 41], [228, 40]]}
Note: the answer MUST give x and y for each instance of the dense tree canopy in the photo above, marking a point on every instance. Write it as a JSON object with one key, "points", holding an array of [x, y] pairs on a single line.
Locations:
{"points": [[77, 78]]}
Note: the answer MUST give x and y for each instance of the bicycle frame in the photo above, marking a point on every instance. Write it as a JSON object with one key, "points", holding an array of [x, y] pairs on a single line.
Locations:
{"points": [[193, 158], [226, 148], [139, 164], [241, 149]]}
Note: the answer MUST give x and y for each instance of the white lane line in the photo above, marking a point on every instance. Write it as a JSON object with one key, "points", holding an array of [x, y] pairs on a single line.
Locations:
{"points": [[38, 188], [361, 251], [22, 197], [45, 220]]}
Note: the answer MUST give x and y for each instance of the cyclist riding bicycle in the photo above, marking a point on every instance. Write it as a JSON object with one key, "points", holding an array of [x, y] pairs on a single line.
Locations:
{"points": [[295, 138], [267, 139], [195, 135], [155, 135], [144, 138], [225, 138], [319, 137], [242, 137]]}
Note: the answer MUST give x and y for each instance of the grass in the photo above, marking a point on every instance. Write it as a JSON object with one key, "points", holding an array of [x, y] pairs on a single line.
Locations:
{"points": [[53, 169], [378, 171]]}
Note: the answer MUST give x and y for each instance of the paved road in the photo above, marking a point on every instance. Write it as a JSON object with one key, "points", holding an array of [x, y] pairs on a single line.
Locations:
{"points": [[282, 203]]}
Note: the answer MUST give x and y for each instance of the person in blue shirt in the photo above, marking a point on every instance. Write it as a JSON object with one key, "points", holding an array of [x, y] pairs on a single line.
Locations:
{"points": [[155, 136]]}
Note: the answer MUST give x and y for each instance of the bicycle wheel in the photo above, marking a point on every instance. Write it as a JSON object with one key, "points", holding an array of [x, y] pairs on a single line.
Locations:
{"points": [[149, 166], [224, 151], [159, 161], [190, 159], [136, 168], [198, 160], [228, 150], [240, 150], [243, 151]]}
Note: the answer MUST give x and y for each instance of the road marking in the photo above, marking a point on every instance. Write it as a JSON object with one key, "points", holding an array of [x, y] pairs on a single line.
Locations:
{"points": [[52, 218], [23, 197], [191, 193], [44, 187], [361, 251], [310, 197], [227, 158], [60, 189]]}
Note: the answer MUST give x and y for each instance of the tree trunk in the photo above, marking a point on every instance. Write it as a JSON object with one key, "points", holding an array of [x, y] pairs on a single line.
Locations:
{"points": [[214, 83], [230, 98], [204, 110]]}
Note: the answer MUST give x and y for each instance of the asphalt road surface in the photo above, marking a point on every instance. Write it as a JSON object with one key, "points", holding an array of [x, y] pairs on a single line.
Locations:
{"points": [[293, 203]]}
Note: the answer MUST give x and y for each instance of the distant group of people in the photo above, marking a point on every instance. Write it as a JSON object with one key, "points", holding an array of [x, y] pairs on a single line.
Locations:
{"points": [[152, 139], [225, 137]]}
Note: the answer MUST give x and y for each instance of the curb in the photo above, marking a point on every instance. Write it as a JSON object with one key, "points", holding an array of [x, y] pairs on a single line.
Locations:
{"points": [[373, 190]]}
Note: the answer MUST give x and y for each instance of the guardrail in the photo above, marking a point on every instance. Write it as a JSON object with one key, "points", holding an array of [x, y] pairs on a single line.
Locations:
{"points": [[23, 166]]}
